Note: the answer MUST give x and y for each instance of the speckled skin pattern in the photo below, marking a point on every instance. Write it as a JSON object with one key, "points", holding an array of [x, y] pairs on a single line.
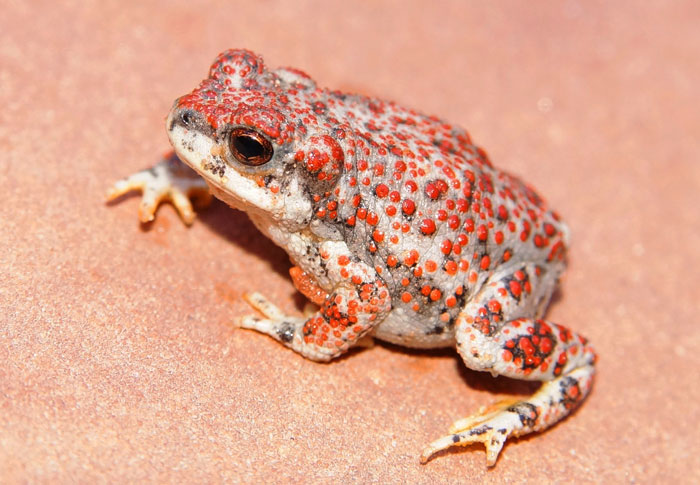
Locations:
{"points": [[399, 228]]}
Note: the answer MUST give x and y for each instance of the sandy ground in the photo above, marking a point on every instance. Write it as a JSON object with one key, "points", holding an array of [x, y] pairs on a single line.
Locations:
{"points": [[121, 362]]}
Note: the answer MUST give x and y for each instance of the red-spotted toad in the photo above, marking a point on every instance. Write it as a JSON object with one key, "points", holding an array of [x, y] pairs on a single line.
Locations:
{"points": [[398, 225]]}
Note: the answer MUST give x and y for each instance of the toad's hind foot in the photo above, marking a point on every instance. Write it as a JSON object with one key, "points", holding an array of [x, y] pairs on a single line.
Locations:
{"points": [[492, 425], [167, 181]]}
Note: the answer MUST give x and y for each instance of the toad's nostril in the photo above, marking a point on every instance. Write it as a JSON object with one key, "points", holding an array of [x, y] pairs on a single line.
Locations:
{"points": [[187, 118]]}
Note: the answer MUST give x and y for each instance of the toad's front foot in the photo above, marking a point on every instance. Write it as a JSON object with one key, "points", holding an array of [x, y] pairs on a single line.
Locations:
{"points": [[285, 329], [344, 319], [169, 180]]}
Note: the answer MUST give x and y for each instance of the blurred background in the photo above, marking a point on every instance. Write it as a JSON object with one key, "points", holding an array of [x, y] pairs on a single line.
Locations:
{"points": [[121, 363]]}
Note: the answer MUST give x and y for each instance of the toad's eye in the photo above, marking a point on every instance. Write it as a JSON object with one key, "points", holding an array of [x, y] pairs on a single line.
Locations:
{"points": [[250, 147]]}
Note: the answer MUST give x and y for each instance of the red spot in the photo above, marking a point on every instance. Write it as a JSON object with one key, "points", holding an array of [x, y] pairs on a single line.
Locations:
{"points": [[526, 346], [482, 232], [411, 258], [316, 160], [573, 392], [469, 225], [446, 247], [381, 190], [545, 345], [441, 185], [556, 251], [485, 262], [453, 222], [372, 218], [408, 207], [515, 288], [432, 191], [427, 226]]}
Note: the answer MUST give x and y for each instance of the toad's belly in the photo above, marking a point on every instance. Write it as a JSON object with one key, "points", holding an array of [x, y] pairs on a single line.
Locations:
{"points": [[403, 327]]}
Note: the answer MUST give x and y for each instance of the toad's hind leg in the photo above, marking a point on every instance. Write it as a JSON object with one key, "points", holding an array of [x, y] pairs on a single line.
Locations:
{"points": [[493, 334]]}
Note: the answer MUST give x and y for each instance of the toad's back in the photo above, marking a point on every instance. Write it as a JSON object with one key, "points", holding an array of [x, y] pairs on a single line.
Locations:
{"points": [[426, 208]]}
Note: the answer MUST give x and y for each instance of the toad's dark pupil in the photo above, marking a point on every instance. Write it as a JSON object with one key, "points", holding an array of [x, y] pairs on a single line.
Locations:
{"points": [[248, 147]]}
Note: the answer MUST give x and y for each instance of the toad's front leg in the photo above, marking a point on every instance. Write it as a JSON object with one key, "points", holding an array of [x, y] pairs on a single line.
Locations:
{"points": [[359, 301], [169, 180]]}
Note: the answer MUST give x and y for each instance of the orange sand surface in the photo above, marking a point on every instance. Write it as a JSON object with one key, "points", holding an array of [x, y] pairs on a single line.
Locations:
{"points": [[120, 358]]}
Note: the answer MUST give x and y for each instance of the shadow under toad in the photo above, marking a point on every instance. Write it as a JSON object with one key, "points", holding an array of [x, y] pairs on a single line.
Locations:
{"points": [[237, 228]]}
